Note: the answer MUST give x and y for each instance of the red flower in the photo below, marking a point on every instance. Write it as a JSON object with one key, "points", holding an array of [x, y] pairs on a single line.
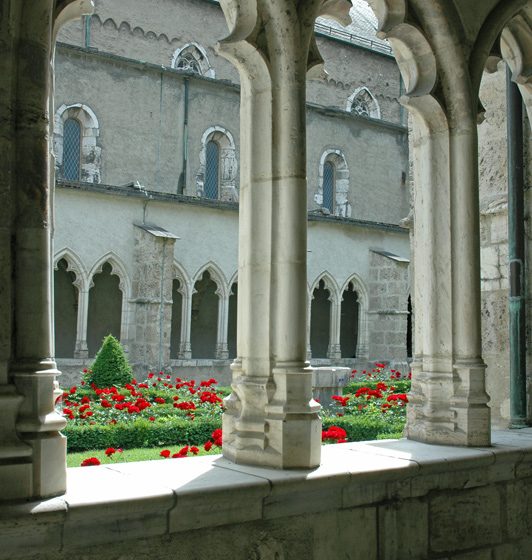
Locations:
{"points": [[208, 446], [340, 400], [73, 390], [150, 375], [194, 450], [110, 451], [89, 462], [165, 453], [151, 418], [159, 400]]}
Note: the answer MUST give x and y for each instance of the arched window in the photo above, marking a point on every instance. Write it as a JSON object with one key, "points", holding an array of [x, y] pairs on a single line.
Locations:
{"points": [[212, 170], [188, 62], [76, 144], [328, 186], [333, 183], [363, 103], [193, 58], [217, 174], [71, 168]]}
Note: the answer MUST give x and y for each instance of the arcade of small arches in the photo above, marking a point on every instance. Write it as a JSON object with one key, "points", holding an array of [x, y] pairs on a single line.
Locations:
{"points": [[90, 305]]}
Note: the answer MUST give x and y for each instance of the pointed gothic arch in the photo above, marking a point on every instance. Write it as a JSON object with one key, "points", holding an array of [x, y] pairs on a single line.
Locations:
{"points": [[363, 103], [192, 57]]}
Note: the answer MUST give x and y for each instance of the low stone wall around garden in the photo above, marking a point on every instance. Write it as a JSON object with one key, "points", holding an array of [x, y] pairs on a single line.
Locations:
{"points": [[380, 500]]}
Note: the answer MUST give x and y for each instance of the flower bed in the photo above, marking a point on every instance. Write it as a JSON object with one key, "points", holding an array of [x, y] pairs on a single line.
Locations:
{"points": [[166, 411]]}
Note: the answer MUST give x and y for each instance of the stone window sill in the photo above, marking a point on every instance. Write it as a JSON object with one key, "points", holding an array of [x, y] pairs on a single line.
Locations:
{"points": [[156, 498]]}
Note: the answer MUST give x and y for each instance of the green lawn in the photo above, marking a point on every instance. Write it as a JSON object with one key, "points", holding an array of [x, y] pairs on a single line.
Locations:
{"points": [[130, 455]]}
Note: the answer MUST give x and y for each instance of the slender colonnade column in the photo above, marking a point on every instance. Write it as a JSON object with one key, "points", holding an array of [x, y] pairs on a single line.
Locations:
{"points": [[271, 418]]}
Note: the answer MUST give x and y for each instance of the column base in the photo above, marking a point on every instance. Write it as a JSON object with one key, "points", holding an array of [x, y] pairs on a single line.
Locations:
{"points": [[273, 424], [449, 408], [38, 426], [16, 470]]}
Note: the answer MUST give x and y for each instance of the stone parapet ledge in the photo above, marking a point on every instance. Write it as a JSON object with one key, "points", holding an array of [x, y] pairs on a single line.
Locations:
{"points": [[380, 480]]}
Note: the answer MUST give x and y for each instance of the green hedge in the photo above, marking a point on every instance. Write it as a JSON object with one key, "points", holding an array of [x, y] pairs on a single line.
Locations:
{"points": [[364, 428], [401, 385], [140, 433], [182, 431]]}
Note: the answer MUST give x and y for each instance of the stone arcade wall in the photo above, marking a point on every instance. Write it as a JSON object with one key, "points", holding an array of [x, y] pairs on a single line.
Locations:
{"points": [[388, 500], [389, 288], [494, 242]]}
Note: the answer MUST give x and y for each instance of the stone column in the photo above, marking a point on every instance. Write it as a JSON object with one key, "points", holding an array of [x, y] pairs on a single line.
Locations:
{"points": [[448, 401], [271, 418], [32, 449], [335, 351], [222, 351], [82, 351], [310, 297], [185, 349]]}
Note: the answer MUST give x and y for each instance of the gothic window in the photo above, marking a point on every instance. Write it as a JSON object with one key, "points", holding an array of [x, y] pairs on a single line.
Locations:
{"points": [[76, 148], [193, 58], [363, 103], [212, 166], [217, 174], [71, 150], [189, 63], [333, 183], [328, 186]]}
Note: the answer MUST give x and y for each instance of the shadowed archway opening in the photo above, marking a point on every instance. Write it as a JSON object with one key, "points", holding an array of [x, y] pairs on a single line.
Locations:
{"points": [[105, 308], [320, 321], [349, 322], [177, 310], [65, 310], [204, 318]]}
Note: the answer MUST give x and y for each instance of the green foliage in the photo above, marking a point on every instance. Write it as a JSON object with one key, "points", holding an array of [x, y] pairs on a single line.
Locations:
{"points": [[140, 433], [110, 366], [365, 428]]}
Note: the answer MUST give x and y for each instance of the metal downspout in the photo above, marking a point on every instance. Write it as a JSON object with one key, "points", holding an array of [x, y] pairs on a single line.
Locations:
{"points": [[516, 256], [183, 177]]}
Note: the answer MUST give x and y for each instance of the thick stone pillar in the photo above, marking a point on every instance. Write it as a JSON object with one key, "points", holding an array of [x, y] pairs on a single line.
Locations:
{"points": [[271, 417], [448, 401], [32, 450], [152, 298]]}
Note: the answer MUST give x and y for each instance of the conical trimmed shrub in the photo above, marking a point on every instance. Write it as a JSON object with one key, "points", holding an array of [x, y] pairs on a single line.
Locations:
{"points": [[110, 366]]}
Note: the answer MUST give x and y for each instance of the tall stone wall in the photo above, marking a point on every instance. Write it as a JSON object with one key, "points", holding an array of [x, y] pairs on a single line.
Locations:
{"points": [[388, 309]]}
